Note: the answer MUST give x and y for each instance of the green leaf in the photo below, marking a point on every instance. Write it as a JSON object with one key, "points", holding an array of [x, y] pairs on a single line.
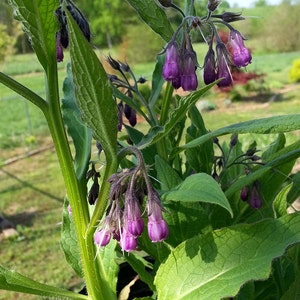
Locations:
{"points": [[109, 268], [139, 265], [166, 175], [13, 281], [80, 133], [69, 241], [293, 292], [199, 188], [40, 23], [154, 16], [93, 90], [280, 202], [276, 124], [217, 264], [184, 104]]}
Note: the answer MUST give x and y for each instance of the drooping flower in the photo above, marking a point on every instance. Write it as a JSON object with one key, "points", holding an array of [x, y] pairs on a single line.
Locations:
{"points": [[128, 242], [132, 215], [209, 72], [157, 226], [188, 77], [102, 237], [223, 70], [241, 54], [59, 48], [171, 69]]}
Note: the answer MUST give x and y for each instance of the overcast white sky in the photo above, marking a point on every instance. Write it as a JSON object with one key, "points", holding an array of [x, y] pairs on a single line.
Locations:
{"points": [[249, 3]]}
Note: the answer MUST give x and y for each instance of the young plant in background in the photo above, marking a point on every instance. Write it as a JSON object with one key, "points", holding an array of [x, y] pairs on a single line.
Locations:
{"points": [[175, 178]]}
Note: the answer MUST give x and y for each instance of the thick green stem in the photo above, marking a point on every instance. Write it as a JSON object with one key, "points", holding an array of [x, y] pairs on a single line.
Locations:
{"points": [[161, 144], [76, 192]]}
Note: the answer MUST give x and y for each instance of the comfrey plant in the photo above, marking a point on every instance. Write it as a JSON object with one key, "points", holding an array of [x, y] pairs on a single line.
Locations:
{"points": [[195, 217]]}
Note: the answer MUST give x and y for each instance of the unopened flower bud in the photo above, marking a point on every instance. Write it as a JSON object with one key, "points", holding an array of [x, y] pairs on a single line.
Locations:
{"points": [[244, 193], [102, 237], [209, 72], [223, 68]]}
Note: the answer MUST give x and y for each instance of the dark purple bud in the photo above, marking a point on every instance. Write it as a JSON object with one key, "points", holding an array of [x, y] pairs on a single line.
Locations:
{"points": [[255, 199], [209, 72], [233, 140], [128, 242], [223, 68], [113, 63], [244, 193], [59, 49], [80, 20], [141, 80], [130, 115], [171, 69], [188, 75], [93, 193], [213, 4], [241, 55], [231, 17], [102, 237]]}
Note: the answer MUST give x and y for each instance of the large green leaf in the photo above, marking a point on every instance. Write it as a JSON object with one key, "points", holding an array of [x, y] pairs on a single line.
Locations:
{"points": [[217, 264], [154, 17], [80, 133], [40, 23], [93, 90], [199, 188], [13, 281], [276, 124]]}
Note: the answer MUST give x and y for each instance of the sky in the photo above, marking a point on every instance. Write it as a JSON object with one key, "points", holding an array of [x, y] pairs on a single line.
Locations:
{"points": [[249, 3]]}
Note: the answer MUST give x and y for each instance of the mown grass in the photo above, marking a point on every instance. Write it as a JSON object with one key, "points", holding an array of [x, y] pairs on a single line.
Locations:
{"points": [[32, 190]]}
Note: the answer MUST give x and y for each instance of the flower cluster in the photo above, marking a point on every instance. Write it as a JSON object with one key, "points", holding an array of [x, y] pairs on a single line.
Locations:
{"points": [[127, 83], [251, 194], [181, 61], [62, 37], [124, 221]]}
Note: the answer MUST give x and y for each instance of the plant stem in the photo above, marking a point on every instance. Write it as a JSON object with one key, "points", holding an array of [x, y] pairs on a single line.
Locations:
{"points": [[23, 91], [161, 144], [76, 193]]}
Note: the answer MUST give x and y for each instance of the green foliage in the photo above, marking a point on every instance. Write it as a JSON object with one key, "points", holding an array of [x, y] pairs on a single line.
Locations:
{"points": [[6, 43], [217, 242], [294, 75]]}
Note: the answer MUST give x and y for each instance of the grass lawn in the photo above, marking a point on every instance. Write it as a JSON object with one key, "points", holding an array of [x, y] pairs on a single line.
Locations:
{"points": [[32, 189]]}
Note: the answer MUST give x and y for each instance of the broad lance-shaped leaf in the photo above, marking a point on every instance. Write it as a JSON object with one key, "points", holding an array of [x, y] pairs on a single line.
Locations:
{"points": [[13, 281], [276, 124], [80, 133], [154, 17], [93, 91], [40, 23], [199, 188], [217, 264]]}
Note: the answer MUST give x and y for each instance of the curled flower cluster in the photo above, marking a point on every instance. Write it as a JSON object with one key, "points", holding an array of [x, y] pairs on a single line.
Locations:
{"points": [[62, 37], [251, 194], [181, 61], [124, 221], [125, 80]]}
